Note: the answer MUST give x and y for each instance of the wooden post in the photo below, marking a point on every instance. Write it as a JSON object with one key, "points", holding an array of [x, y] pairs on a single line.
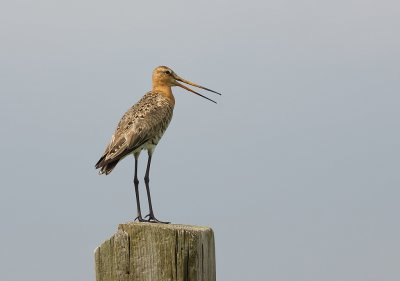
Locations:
{"points": [[157, 252]]}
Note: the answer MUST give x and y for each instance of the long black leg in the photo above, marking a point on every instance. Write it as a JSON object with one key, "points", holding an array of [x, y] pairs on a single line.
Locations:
{"points": [[146, 181], [136, 183]]}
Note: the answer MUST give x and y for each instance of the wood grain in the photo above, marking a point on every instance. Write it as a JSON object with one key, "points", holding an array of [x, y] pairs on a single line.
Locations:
{"points": [[157, 252]]}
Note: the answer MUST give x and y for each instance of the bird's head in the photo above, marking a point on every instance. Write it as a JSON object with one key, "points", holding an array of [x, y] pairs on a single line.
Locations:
{"points": [[163, 76]]}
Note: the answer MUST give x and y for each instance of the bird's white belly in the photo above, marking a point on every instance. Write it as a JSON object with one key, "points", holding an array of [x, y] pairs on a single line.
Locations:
{"points": [[150, 145]]}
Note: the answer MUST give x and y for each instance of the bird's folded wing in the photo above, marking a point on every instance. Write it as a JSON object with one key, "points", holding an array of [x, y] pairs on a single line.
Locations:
{"points": [[138, 125], [126, 143]]}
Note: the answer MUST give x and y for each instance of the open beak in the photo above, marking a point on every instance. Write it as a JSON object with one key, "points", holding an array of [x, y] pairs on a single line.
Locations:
{"points": [[177, 78]]}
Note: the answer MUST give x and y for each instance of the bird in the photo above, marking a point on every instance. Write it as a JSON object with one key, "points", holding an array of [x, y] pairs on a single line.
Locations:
{"points": [[142, 127]]}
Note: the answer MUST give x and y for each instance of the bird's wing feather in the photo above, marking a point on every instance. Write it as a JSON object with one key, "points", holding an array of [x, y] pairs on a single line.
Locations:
{"points": [[139, 124]]}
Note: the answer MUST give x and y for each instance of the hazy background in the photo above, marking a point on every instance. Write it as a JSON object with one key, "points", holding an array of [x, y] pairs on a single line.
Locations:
{"points": [[296, 168]]}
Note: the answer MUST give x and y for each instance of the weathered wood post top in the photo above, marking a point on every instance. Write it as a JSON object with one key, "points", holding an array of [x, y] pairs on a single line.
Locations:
{"points": [[157, 252]]}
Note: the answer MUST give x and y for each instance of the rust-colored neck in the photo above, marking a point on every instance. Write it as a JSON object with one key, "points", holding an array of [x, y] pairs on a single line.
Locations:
{"points": [[165, 91]]}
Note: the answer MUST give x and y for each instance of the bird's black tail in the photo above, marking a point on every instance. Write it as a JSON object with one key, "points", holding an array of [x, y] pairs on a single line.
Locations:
{"points": [[105, 166]]}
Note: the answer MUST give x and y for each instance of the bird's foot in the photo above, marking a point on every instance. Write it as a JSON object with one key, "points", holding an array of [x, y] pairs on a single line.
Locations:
{"points": [[140, 219], [151, 218]]}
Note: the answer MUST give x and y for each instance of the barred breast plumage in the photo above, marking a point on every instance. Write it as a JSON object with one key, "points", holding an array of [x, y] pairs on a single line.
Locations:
{"points": [[141, 127]]}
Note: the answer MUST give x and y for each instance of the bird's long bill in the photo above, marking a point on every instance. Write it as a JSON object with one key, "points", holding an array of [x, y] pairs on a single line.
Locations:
{"points": [[195, 85]]}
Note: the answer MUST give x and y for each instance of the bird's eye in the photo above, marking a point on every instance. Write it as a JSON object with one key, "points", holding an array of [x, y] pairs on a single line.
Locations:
{"points": [[168, 72]]}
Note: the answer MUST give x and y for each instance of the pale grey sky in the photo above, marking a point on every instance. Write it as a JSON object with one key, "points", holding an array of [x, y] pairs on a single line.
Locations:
{"points": [[296, 168]]}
